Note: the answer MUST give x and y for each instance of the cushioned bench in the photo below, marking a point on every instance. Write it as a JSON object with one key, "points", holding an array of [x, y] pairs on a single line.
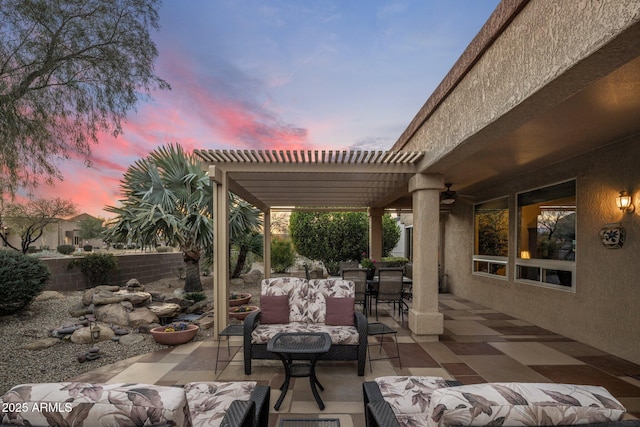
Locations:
{"points": [[432, 401], [291, 304], [243, 404]]}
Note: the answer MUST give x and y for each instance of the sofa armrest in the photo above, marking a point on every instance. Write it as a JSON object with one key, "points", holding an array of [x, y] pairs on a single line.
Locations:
{"points": [[261, 396], [250, 323], [240, 414], [380, 414], [360, 322]]}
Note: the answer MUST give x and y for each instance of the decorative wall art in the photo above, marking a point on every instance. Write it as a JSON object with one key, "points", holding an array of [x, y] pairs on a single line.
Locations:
{"points": [[612, 236]]}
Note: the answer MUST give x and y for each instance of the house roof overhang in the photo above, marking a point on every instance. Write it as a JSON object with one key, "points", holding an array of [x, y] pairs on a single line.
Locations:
{"points": [[316, 179]]}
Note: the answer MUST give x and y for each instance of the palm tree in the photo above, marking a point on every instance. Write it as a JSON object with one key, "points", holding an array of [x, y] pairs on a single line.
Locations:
{"points": [[168, 200]]}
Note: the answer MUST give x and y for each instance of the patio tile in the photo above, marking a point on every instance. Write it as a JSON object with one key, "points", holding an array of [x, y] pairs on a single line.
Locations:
{"points": [[612, 364], [534, 353], [430, 372], [575, 349], [480, 348], [459, 369], [585, 374], [144, 373], [440, 352], [469, 327], [412, 355], [523, 330], [502, 369]]}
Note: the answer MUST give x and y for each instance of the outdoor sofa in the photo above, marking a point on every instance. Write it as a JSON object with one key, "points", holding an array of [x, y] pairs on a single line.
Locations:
{"points": [[292, 304], [432, 401], [211, 404]]}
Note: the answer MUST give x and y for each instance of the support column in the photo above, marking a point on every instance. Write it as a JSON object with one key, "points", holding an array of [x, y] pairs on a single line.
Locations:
{"points": [[375, 233], [220, 186], [425, 322], [266, 251]]}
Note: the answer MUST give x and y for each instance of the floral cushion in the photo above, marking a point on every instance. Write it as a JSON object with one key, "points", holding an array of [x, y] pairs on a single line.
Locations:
{"points": [[523, 404], [209, 401], [296, 288], [409, 395], [339, 334], [85, 404]]}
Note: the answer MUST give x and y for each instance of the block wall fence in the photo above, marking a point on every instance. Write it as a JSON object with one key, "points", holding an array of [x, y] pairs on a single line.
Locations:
{"points": [[144, 267]]}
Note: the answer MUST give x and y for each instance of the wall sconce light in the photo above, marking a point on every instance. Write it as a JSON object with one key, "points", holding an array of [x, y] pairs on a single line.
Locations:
{"points": [[623, 201], [525, 255]]}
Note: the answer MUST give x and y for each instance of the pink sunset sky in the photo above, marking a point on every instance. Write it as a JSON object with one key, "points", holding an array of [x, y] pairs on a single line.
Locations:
{"points": [[328, 74]]}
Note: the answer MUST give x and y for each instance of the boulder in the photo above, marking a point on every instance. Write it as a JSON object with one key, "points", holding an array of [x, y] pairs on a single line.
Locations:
{"points": [[83, 335], [165, 309], [133, 285], [157, 296], [127, 305], [80, 310], [236, 283], [112, 313], [205, 321], [142, 316], [47, 295], [41, 344], [106, 297], [144, 329], [87, 297], [183, 303], [179, 293], [134, 297], [200, 306], [131, 339]]}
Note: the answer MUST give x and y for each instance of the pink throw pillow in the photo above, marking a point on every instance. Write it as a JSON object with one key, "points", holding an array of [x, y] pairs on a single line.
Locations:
{"points": [[274, 309], [340, 311]]}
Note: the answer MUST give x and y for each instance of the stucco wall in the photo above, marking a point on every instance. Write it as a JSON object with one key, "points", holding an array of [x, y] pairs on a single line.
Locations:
{"points": [[603, 311], [545, 40], [144, 267]]}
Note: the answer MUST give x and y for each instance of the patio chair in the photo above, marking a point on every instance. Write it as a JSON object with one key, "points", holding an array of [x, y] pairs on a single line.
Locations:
{"points": [[359, 277], [390, 289]]}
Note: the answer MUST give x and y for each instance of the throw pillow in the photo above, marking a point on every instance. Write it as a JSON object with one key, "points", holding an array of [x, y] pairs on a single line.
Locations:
{"points": [[274, 308], [339, 311]]}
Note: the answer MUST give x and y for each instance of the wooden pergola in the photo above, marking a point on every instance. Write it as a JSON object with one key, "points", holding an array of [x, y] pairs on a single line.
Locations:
{"points": [[331, 180]]}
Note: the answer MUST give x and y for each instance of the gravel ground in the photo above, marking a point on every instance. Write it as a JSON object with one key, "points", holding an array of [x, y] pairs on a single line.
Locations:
{"points": [[59, 363]]}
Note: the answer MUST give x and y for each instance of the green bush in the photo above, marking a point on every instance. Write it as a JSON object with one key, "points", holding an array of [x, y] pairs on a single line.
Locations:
{"points": [[22, 278], [283, 255], [96, 267], [87, 248], [66, 249], [395, 261], [195, 296]]}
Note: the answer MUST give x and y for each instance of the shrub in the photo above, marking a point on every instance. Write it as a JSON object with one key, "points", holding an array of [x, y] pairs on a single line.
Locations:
{"points": [[22, 278], [96, 267], [283, 255], [87, 248], [395, 261], [66, 249], [195, 296], [164, 249]]}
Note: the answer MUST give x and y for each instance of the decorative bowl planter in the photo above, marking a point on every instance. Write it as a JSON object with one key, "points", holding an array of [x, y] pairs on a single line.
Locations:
{"points": [[239, 299], [242, 311], [175, 337]]}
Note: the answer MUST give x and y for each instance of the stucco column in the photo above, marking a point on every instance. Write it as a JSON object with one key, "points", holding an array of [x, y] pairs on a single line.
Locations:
{"points": [[266, 250], [425, 322], [375, 233], [220, 186]]}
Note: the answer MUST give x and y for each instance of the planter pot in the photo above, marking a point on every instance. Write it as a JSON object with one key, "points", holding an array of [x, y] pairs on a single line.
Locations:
{"points": [[174, 338], [235, 313], [243, 299]]}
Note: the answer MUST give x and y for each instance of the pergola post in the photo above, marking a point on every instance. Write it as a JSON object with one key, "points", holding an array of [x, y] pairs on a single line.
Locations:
{"points": [[267, 243], [220, 187], [425, 322], [375, 233]]}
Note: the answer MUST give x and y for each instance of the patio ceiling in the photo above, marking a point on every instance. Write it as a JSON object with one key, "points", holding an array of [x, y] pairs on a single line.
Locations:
{"points": [[317, 180]]}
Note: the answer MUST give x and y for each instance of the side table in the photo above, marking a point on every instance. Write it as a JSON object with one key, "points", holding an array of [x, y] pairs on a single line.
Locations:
{"points": [[306, 346], [379, 328], [310, 422], [229, 331]]}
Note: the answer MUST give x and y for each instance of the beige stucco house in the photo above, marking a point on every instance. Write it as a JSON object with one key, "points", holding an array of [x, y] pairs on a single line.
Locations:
{"points": [[537, 129]]}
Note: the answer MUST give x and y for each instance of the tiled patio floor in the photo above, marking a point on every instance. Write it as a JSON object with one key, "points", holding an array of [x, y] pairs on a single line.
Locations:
{"points": [[479, 345]]}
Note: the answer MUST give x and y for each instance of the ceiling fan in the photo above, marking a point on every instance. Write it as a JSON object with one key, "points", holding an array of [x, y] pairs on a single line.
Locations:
{"points": [[448, 196]]}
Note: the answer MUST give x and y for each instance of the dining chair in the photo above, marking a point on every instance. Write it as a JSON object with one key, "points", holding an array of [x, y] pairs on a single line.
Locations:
{"points": [[390, 289], [359, 277]]}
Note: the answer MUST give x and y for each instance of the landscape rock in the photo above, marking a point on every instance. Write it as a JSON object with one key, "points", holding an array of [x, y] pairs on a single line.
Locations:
{"points": [[200, 306], [236, 282], [183, 303], [47, 295], [165, 309], [144, 329], [106, 297], [112, 313], [83, 335], [80, 310], [133, 285], [157, 296], [179, 293], [205, 321], [127, 305], [135, 297], [41, 344], [142, 316]]}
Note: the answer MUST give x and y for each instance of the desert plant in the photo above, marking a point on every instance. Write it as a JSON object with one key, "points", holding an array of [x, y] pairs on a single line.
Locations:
{"points": [[96, 267], [66, 249], [283, 255], [195, 296], [22, 278]]}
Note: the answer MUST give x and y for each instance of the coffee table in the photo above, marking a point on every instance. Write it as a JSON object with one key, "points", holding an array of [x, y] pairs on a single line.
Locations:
{"points": [[300, 346]]}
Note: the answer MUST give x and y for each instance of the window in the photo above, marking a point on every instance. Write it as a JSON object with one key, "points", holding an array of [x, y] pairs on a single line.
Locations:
{"points": [[547, 236], [491, 242]]}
